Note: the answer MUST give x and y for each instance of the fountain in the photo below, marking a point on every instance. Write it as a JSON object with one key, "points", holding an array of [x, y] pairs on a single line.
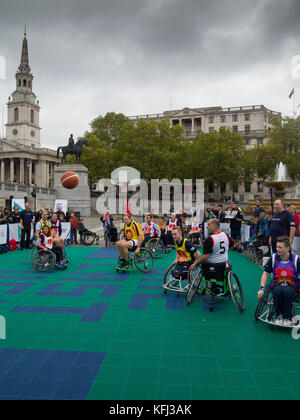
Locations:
{"points": [[281, 181]]}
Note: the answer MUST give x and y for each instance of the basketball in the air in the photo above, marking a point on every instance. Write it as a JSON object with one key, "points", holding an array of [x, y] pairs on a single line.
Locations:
{"points": [[69, 180]]}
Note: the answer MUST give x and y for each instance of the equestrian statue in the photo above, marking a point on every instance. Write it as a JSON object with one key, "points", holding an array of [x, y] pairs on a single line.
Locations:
{"points": [[72, 149]]}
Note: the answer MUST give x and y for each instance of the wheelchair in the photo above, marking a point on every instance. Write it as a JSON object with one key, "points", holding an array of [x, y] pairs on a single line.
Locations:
{"points": [[214, 291], [88, 238], [143, 261], [177, 281], [265, 310], [155, 246], [44, 261], [111, 236]]}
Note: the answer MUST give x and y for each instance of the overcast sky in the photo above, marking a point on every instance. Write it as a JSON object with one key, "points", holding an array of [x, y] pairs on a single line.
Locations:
{"points": [[132, 56]]}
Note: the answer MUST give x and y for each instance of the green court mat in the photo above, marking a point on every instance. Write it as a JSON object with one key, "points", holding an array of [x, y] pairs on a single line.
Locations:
{"points": [[154, 347]]}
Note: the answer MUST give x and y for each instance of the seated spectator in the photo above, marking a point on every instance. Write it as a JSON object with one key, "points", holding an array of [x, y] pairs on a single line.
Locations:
{"points": [[6, 217], [81, 228], [62, 218]]}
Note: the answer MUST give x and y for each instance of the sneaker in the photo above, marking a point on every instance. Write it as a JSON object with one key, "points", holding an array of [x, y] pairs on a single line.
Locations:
{"points": [[288, 323], [279, 320]]}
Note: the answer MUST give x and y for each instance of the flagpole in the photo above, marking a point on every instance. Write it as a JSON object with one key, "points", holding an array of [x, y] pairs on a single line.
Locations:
{"points": [[294, 103]]}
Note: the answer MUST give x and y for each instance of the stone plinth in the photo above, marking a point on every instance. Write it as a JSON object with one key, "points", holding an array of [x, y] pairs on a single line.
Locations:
{"points": [[79, 199]]}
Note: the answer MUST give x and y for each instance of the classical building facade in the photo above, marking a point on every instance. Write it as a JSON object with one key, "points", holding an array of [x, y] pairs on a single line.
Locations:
{"points": [[251, 122], [24, 165]]}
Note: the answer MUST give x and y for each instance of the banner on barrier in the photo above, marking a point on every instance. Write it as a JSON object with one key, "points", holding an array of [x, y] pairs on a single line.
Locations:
{"points": [[66, 230], [14, 232], [20, 202], [3, 234]]}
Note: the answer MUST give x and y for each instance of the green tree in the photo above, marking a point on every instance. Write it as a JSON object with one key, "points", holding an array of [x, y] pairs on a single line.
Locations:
{"points": [[108, 128]]}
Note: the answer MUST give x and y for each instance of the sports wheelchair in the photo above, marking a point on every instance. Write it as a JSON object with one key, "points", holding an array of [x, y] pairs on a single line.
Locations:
{"points": [[213, 290], [177, 281], [44, 261], [88, 238], [155, 246], [265, 310], [111, 236], [143, 261]]}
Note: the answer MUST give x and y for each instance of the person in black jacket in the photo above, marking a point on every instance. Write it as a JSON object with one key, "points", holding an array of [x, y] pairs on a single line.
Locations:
{"points": [[15, 215], [26, 221]]}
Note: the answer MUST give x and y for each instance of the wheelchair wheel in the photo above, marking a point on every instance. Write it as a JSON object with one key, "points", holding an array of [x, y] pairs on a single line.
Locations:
{"points": [[143, 261], [263, 302], [88, 238], [43, 261], [156, 247], [195, 279], [33, 252], [236, 291]]}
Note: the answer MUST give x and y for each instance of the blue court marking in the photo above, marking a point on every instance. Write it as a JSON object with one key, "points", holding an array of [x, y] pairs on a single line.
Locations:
{"points": [[87, 266], [17, 288], [100, 277], [92, 314], [47, 374], [150, 287], [108, 290], [104, 254], [140, 301], [155, 279]]}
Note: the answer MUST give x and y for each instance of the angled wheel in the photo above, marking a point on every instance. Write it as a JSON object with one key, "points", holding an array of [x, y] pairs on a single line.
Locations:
{"points": [[43, 261], [263, 301], [156, 247], [195, 279], [236, 291], [33, 252], [143, 261], [88, 238]]}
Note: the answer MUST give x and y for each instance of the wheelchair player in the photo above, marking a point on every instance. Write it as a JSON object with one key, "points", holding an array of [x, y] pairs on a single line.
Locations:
{"points": [[47, 242], [186, 254], [284, 266], [214, 260]]}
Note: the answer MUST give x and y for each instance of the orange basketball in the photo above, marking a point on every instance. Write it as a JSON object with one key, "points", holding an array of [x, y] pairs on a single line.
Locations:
{"points": [[69, 180]]}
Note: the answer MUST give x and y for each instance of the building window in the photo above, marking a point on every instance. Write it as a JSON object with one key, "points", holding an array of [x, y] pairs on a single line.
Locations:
{"points": [[210, 129], [260, 141], [235, 128], [211, 188], [20, 82], [16, 114], [211, 120], [223, 127], [247, 129], [24, 83], [223, 118], [198, 122], [175, 122], [32, 116], [247, 141], [247, 117], [234, 118]]}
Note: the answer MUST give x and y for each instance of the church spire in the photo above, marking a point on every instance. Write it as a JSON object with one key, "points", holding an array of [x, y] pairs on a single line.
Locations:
{"points": [[24, 64]]}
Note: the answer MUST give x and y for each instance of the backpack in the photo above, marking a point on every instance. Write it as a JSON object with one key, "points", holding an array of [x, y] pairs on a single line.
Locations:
{"points": [[12, 245]]}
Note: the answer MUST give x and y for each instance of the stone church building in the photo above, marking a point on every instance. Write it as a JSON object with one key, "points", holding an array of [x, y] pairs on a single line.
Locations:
{"points": [[25, 167]]}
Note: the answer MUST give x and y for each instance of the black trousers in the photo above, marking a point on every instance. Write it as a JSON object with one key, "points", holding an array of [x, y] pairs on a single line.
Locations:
{"points": [[25, 236]]}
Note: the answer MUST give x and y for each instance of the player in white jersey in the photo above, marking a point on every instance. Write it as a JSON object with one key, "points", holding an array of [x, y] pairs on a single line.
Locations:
{"points": [[215, 252]]}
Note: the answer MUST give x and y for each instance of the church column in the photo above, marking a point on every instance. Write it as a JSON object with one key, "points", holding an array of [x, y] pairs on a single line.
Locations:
{"points": [[22, 171], [193, 125], [2, 170], [30, 172], [12, 170], [47, 174]]}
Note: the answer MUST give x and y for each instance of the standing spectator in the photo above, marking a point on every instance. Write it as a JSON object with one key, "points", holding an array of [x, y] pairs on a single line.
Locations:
{"points": [[293, 211], [107, 220], [1, 212], [38, 216], [236, 218], [16, 215], [6, 217], [221, 213], [74, 223], [282, 224], [59, 212], [26, 221], [263, 221], [259, 209], [213, 213]]}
